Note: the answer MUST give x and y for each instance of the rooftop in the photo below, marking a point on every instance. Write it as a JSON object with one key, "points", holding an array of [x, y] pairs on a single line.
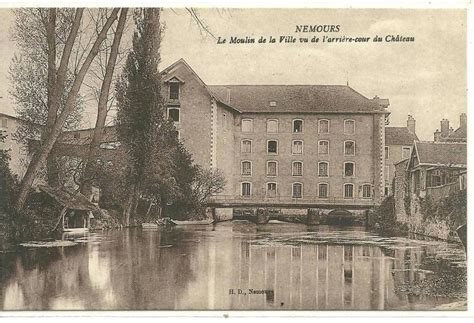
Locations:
{"points": [[442, 153], [399, 136], [294, 98]]}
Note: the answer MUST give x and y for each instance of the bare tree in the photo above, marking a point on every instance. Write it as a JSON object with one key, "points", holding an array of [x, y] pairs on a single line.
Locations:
{"points": [[102, 106], [53, 133]]}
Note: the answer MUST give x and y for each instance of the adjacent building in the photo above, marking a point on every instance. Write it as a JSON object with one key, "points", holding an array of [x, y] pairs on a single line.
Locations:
{"points": [[447, 134], [398, 144], [437, 168]]}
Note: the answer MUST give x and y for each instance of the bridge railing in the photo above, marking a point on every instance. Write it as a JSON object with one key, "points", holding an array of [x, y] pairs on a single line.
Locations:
{"points": [[232, 199]]}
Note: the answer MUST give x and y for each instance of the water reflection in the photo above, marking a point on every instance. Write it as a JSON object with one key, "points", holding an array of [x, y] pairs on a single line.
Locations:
{"points": [[229, 266]]}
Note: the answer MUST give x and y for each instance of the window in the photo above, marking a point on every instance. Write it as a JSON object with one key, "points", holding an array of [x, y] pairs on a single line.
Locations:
{"points": [[349, 127], [348, 190], [297, 190], [387, 152], [297, 169], [246, 168], [173, 114], [349, 169], [387, 173], [323, 169], [246, 146], [4, 123], [174, 90], [349, 148], [323, 126], [323, 147], [297, 147], [386, 191], [272, 126], [273, 103], [297, 126], [366, 190], [246, 189], [272, 147], [406, 152], [272, 168], [271, 189], [323, 190], [247, 125]]}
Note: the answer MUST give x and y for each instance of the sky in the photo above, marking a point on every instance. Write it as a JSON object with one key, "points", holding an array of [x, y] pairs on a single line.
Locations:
{"points": [[425, 78]]}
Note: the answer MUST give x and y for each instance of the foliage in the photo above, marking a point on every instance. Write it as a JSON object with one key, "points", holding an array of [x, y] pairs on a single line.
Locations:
{"points": [[8, 182], [452, 209], [28, 73], [207, 183], [383, 218]]}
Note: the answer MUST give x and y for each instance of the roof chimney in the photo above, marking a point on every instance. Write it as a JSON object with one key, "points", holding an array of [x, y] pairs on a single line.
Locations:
{"points": [[411, 124], [463, 121], [444, 128]]}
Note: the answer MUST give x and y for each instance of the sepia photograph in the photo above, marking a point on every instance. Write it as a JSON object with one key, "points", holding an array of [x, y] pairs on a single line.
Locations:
{"points": [[233, 159]]}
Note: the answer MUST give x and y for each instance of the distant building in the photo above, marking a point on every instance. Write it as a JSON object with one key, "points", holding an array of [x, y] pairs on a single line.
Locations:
{"points": [[398, 144], [436, 169], [18, 151], [447, 134]]}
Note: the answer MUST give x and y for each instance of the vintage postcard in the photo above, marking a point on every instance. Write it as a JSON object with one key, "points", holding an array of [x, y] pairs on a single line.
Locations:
{"points": [[233, 159]]}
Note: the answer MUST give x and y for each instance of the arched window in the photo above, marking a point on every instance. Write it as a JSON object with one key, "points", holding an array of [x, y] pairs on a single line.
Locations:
{"points": [[349, 148], [323, 190], [297, 147], [323, 169], [349, 169], [247, 125], [348, 190], [271, 189], [297, 169], [272, 168], [246, 146], [297, 125], [297, 190], [246, 189], [349, 127], [272, 125], [323, 126], [323, 147], [366, 191], [272, 147], [246, 168]]}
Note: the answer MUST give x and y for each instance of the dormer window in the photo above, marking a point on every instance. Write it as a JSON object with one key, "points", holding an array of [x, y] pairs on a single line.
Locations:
{"points": [[174, 90], [273, 103]]}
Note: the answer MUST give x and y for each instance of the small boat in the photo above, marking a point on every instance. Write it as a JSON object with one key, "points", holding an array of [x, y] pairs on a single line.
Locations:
{"points": [[462, 234], [149, 225], [76, 230], [199, 222]]}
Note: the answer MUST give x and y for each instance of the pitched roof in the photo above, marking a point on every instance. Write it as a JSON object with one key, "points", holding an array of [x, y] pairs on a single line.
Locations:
{"points": [[295, 98], [459, 133], [399, 136], [442, 153], [68, 198]]}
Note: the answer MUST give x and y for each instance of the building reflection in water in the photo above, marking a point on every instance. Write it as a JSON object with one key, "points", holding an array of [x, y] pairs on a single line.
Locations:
{"points": [[196, 269]]}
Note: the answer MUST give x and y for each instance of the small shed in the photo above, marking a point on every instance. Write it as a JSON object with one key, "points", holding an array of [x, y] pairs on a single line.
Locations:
{"points": [[76, 210]]}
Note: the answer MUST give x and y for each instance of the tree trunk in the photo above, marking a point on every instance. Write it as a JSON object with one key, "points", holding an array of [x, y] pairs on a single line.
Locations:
{"points": [[40, 156], [86, 188], [51, 167]]}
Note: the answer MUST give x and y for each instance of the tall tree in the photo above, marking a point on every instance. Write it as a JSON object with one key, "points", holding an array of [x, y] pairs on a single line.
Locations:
{"points": [[140, 110], [53, 133], [102, 105], [39, 34]]}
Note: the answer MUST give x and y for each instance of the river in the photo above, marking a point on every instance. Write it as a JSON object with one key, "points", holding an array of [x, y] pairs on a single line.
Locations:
{"points": [[234, 266]]}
